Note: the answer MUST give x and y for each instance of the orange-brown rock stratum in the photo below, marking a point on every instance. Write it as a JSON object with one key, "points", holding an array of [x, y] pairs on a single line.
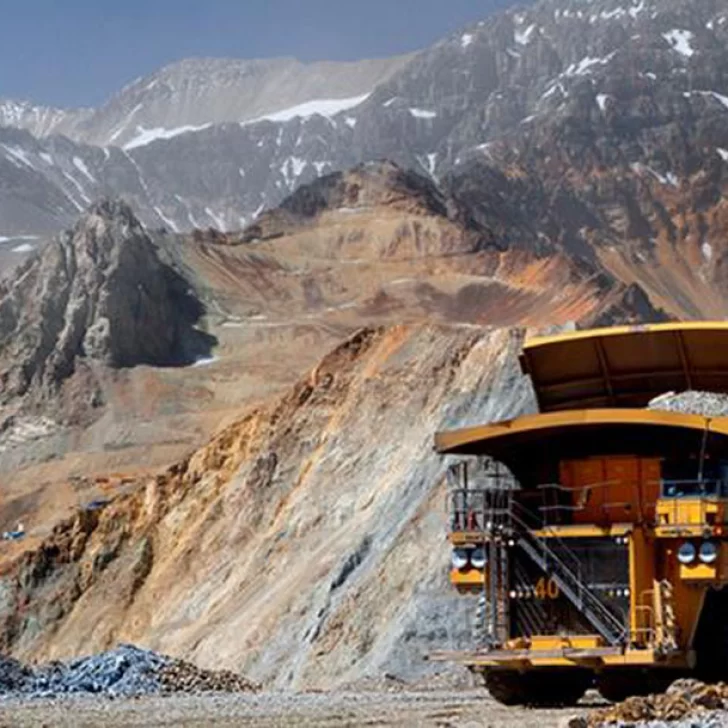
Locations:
{"points": [[303, 545]]}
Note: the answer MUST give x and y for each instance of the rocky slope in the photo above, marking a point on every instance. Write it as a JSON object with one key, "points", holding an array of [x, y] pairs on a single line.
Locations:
{"points": [[610, 113], [304, 545], [96, 296], [375, 246]]}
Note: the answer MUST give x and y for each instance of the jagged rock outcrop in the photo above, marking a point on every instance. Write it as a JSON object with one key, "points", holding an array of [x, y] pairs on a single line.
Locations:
{"points": [[97, 296]]}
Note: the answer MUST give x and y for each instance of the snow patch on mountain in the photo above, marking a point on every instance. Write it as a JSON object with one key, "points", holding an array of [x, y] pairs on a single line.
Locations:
{"points": [[147, 136], [291, 169], [714, 94], [523, 37], [125, 123], [80, 165], [681, 41], [670, 178], [80, 190], [584, 66], [217, 219], [320, 107], [423, 113], [170, 223], [18, 156]]}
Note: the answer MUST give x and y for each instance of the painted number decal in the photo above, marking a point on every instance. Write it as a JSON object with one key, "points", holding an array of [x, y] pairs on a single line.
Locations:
{"points": [[547, 589]]}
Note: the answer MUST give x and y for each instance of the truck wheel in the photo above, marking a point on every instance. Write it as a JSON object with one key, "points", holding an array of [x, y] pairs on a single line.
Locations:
{"points": [[711, 640], [618, 686], [506, 686], [539, 688], [554, 688]]}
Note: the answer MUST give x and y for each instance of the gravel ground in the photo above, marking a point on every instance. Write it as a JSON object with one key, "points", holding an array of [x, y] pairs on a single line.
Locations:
{"points": [[436, 708]]}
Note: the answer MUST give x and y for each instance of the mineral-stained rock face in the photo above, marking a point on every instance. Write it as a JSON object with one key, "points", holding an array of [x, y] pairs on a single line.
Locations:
{"points": [[97, 295], [304, 546]]}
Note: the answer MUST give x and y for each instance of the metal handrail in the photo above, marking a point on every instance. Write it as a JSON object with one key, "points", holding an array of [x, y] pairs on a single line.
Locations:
{"points": [[582, 592], [565, 565], [693, 481], [576, 564], [590, 486]]}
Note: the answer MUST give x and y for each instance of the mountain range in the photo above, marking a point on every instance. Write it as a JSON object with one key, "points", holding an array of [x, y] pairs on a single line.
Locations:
{"points": [[212, 143]]}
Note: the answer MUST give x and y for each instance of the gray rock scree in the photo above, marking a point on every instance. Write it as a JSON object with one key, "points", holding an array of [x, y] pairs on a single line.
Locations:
{"points": [[125, 671]]}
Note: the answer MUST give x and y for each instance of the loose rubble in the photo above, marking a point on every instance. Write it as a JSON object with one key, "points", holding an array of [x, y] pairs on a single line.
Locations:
{"points": [[686, 702], [126, 671], [709, 404]]}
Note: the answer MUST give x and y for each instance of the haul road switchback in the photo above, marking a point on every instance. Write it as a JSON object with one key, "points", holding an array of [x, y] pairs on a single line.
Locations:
{"points": [[596, 532]]}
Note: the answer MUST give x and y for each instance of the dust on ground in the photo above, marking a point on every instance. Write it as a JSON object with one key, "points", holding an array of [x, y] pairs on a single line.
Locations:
{"points": [[439, 708]]}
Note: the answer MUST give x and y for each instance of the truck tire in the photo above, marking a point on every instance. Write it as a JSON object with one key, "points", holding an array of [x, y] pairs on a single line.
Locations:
{"points": [[558, 688], [619, 685], [508, 687], [711, 640], [538, 688]]}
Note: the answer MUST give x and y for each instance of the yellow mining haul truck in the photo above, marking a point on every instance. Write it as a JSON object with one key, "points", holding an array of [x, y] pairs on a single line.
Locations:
{"points": [[596, 532]]}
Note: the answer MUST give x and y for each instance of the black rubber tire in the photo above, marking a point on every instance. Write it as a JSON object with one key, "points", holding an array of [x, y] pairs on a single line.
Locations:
{"points": [[619, 685], [508, 687], [711, 640], [558, 688], [538, 688]]}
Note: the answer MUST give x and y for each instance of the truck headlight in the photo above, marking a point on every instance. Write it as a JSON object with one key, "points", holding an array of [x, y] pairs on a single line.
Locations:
{"points": [[460, 558], [478, 559], [708, 552], [686, 553]]}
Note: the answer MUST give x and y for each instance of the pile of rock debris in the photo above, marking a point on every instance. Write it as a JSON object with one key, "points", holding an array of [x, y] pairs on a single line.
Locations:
{"points": [[708, 404], [686, 702], [126, 671]]}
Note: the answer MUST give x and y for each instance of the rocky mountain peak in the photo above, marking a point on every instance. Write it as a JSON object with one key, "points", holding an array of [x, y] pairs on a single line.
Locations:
{"points": [[367, 185], [97, 296]]}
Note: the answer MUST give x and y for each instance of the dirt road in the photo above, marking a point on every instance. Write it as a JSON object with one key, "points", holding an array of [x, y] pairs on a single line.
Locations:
{"points": [[436, 708]]}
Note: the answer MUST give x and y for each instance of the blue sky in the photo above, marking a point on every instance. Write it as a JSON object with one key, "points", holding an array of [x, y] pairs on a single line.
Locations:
{"points": [[78, 52]]}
